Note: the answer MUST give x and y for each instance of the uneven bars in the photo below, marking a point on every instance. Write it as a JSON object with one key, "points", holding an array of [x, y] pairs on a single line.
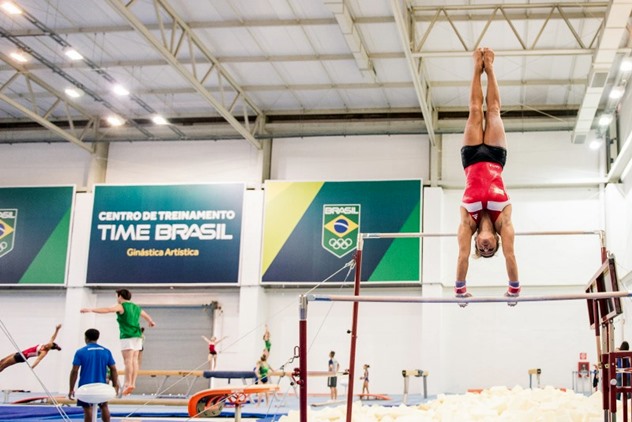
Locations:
{"points": [[481, 299], [540, 233]]}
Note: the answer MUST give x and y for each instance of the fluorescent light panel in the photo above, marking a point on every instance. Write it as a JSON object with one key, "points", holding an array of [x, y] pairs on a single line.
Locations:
{"points": [[159, 120], [73, 54], [120, 90], [73, 92], [19, 57], [114, 120], [11, 8]]}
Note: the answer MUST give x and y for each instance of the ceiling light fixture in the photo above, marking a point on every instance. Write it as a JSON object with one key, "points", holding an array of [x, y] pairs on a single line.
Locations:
{"points": [[617, 92], [626, 65], [605, 120], [73, 92], [114, 120], [159, 120], [72, 54], [120, 90], [595, 144], [19, 57], [11, 8]]}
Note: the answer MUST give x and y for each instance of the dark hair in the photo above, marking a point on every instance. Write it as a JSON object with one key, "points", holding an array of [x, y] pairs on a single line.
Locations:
{"points": [[332, 353], [625, 346], [477, 253], [92, 334], [124, 293], [55, 346]]}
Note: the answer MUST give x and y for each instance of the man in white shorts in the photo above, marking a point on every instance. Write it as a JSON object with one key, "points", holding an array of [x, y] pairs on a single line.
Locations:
{"points": [[128, 316]]}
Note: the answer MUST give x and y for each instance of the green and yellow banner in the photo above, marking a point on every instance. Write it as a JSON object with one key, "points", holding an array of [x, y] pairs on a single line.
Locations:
{"points": [[34, 234], [311, 230]]}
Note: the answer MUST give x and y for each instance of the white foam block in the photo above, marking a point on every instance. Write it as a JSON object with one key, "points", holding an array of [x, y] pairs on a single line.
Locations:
{"points": [[95, 393], [494, 404]]}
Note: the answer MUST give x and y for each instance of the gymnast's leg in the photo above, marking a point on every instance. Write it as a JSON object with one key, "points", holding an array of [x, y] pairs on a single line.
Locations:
{"points": [[472, 137], [473, 134], [130, 358], [494, 134], [7, 361]]}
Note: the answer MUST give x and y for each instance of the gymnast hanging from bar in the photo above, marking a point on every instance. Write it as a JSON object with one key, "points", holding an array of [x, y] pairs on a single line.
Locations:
{"points": [[485, 209]]}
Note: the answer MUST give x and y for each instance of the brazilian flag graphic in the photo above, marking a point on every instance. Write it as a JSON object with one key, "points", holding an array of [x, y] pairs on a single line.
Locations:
{"points": [[311, 229], [34, 234]]}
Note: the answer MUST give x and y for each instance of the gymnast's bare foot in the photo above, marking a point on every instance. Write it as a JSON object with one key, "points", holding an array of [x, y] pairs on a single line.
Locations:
{"points": [[488, 59], [478, 60]]}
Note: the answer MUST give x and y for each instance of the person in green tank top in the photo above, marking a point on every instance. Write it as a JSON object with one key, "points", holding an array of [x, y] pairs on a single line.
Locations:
{"points": [[261, 371], [128, 315]]}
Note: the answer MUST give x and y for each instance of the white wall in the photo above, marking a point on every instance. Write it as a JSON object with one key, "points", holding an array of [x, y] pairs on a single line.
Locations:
{"points": [[49, 164], [478, 346], [181, 162], [351, 158], [533, 159]]}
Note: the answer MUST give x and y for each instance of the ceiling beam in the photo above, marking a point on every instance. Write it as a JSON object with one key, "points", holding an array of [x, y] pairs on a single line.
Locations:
{"points": [[178, 40], [304, 126], [351, 32], [527, 14], [613, 31], [415, 66], [60, 109], [58, 71]]}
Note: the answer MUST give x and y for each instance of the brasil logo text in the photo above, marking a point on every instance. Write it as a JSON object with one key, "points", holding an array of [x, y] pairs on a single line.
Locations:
{"points": [[340, 228], [8, 218]]}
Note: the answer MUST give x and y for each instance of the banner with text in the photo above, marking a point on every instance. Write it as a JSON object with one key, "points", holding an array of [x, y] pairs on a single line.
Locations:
{"points": [[166, 234], [34, 235], [311, 230]]}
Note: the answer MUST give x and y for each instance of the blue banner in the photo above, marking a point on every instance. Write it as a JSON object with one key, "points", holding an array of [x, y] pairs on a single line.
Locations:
{"points": [[34, 234], [166, 234]]}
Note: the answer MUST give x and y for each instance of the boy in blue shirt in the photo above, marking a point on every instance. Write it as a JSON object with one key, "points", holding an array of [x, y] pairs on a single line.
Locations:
{"points": [[94, 361]]}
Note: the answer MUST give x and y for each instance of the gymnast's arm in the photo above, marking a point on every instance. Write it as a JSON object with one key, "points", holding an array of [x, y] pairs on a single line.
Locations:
{"points": [[147, 318], [74, 372], [118, 308], [57, 328], [114, 377], [464, 239], [505, 228], [41, 355]]}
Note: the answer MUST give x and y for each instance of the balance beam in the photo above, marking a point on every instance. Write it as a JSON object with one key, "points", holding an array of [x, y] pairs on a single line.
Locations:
{"points": [[229, 375], [169, 373], [309, 373], [407, 373]]}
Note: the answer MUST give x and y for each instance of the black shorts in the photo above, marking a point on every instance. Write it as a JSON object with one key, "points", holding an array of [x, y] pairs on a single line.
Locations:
{"points": [[472, 154], [84, 404], [332, 381], [18, 358]]}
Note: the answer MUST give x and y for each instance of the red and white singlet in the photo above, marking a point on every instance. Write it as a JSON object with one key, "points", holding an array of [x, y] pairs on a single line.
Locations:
{"points": [[484, 190]]}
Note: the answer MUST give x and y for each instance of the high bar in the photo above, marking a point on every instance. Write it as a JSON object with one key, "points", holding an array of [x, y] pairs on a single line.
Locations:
{"points": [[540, 233], [473, 299]]}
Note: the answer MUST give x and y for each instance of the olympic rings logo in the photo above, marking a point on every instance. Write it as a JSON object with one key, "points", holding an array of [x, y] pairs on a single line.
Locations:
{"points": [[340, 243]]}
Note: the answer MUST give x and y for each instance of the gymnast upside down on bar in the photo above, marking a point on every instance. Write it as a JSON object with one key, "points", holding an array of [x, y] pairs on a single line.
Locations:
{"points": [[485, 209]]}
